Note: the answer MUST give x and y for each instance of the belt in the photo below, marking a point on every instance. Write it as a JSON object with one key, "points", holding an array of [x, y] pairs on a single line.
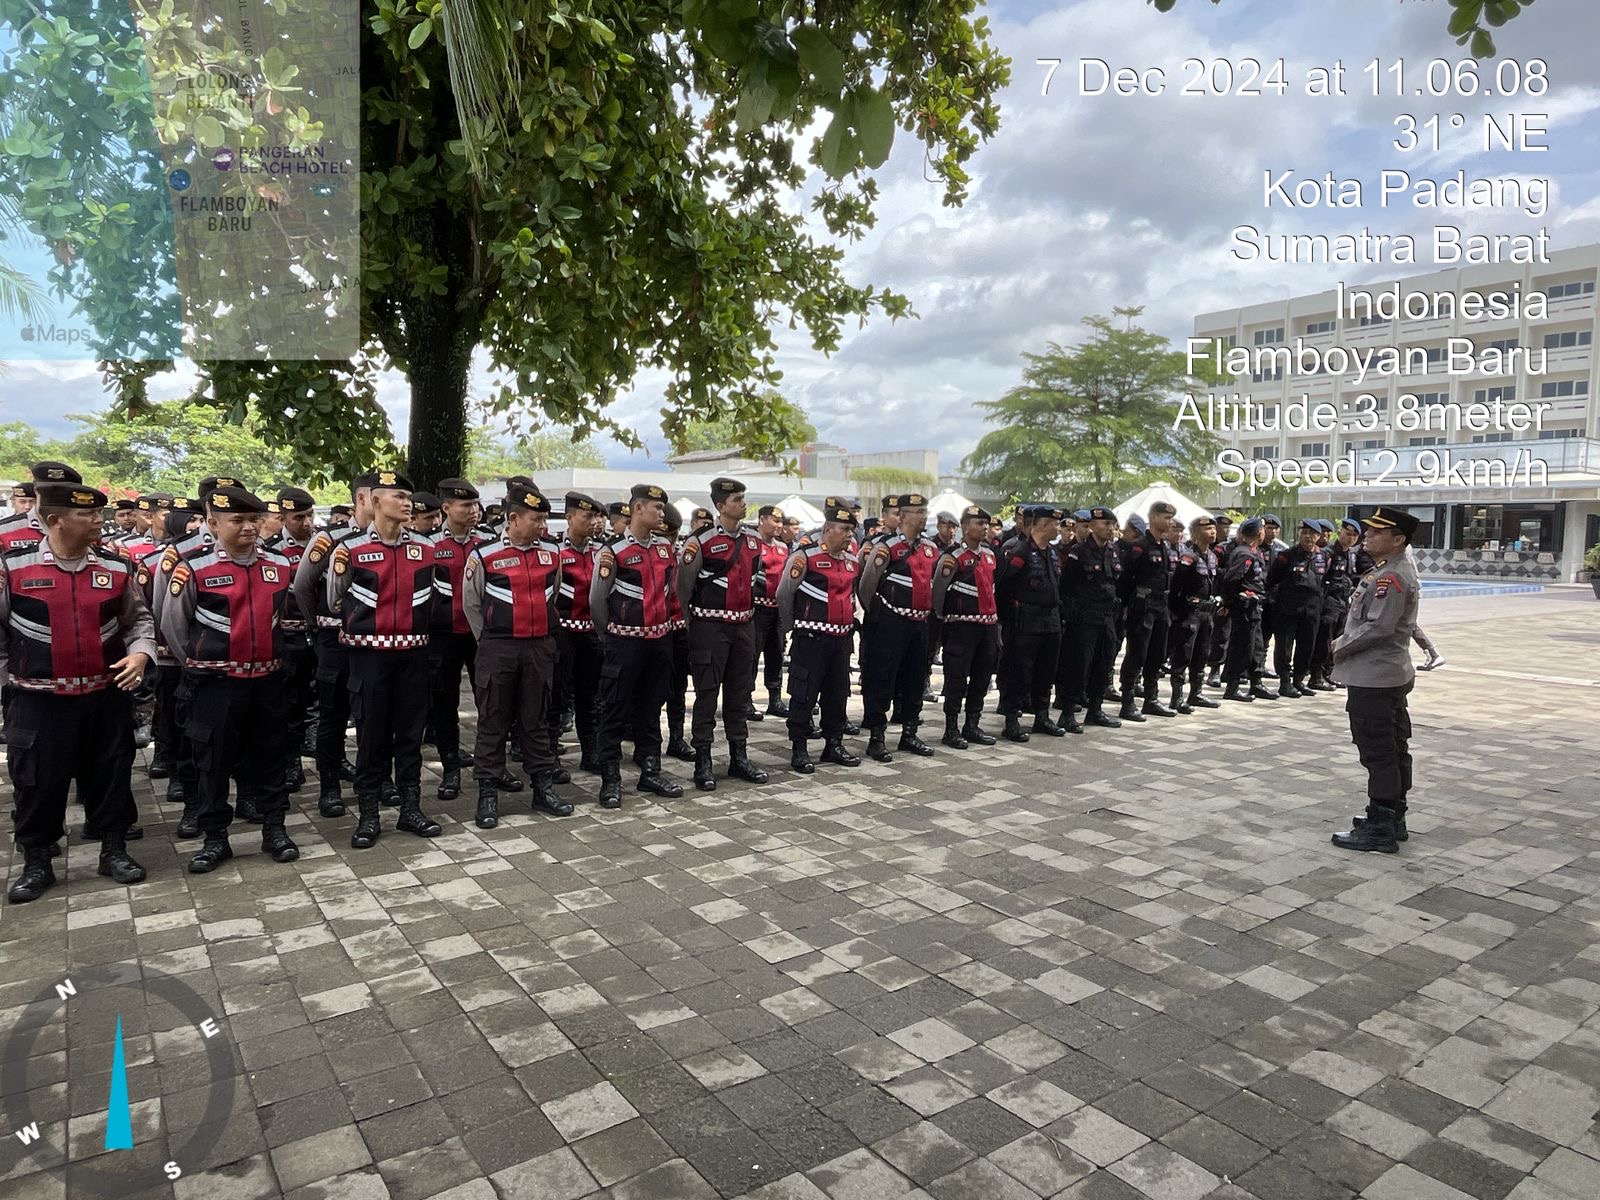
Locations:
{"points": [[327, 622], [640, 631], [731, 616], [824, 627], [384, 641], [66, 685], [973, 618], [910, 614], [763, 602], [577, 626], [240, 670]]}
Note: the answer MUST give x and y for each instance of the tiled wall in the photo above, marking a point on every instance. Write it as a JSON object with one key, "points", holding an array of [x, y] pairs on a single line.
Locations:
{"points": [[1469, 564]]}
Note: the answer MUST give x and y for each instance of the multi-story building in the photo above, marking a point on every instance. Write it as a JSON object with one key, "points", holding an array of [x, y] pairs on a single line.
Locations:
{"points": [[1498, 495]]}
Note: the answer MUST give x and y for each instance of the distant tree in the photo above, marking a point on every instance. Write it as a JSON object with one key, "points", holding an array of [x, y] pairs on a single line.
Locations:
{"points": [[883, 479], [1094, 420], [21, 447], [782, 426], [490, 457], [172, 445]]}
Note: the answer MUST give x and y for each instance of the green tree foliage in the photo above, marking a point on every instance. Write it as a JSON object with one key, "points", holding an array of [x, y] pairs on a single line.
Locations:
{"points": [[490, 457], [885, 479], [1093, 421], [1470, 20], [782, 425], [580, 192]]}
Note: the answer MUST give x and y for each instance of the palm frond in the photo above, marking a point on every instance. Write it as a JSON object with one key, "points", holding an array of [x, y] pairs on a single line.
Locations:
{"points": [[20, 296], [485, 71]]}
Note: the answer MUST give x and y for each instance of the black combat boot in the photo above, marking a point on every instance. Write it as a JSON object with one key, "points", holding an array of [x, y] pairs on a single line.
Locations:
{"points": [[177, 793], [275, 841], [450, 779], [1261, 692], [705, 771], [1043, 724], [912, 744], [1152, 706], [247, 810], [952, 732], [751, 712], [833, 751], [297, 777], [189, 822], [1069, 720], [1097, 716], [1377, 832], [330, 800], [211, 855], [1179, 704], [464, 760], [143, 734], [1302, 687], [850, 727], [800, 757], [161, 762], [652, 780], [116, 863], [37, 876], [1401, 833], [1130, 711], [545, 796], [412, 818], [507, 782], [1287, 689], [308, 739], [678, 748], [488, 814], [586, 759], [389, 794], [1214, 680], [559, 774], [347, 770], [776, 706], [611, 786], [973, 732], [368, 826], [1014, 732], [1198, 699], [1238, 691], [740, 766], [876, 750]]}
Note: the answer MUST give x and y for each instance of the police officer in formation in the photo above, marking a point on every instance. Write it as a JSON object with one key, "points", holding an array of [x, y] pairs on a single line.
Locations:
{"points": [[246, 619]]}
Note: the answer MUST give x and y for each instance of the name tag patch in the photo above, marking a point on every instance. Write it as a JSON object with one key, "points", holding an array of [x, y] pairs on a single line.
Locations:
{"points": [[373, 556], [501, 564], [30, 585]]}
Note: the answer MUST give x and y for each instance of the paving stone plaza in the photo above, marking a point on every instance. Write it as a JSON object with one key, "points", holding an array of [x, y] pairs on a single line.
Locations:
{"points": [[1121, 965]]}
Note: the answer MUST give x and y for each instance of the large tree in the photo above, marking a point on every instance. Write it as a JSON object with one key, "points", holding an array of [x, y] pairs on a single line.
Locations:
{"points": [[1470, 21], [576, 189], [1094, 420]]}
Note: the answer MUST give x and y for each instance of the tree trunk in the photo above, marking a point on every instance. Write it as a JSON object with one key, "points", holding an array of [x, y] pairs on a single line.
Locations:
{"points": [[441, 339]]}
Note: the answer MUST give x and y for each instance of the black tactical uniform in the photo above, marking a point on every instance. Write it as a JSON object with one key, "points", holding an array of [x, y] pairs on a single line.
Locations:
{"points": [[1090, 573], [1028, 594], [1146, 582], [1192, 600], [1294, 587]]}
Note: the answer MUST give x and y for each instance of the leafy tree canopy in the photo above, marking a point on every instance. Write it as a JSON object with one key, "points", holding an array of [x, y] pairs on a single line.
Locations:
{"points": [[782, 426], [1470, 21]]}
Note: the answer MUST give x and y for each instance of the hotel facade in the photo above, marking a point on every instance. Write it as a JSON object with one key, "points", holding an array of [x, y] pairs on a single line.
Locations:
{"points": [[1498, 497]]}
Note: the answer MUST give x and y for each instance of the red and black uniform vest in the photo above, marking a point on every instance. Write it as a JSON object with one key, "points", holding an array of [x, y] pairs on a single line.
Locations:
{"points": [[825, 600], [726, 565], [642, 603], [774, 557], [390, 599], [577, 573], [970, 594], [286, 547], [65, 628], [136, 546], [20, 533], [451, 557], [906, 588], [519, 589], [237, 628], [322, 546]]}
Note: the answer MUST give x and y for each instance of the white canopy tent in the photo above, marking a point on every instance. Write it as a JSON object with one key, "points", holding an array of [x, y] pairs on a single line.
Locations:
{"points": [[685, 510], [1140, 503], [795, 506], [947, 501]]}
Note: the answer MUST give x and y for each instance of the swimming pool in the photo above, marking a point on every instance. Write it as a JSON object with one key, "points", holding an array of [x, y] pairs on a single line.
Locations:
{"points": [[1444, 589]]}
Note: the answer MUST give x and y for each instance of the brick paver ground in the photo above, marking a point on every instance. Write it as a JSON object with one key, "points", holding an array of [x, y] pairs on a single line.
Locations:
{"points": [[1122, 965]]}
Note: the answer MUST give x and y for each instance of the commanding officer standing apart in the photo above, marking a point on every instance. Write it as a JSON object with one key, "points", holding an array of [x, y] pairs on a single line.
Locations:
{"points": [[630, 602], [509, 592], [1294, 585], [1193, 601], [1372, 658], [223, 621], [769, 637], [450, 642], [74, 623], [1028, 592], [964, 596], [717, 572], [817, 601], [1145, 587], [1090, 570], [381, 585], [896, 590]]}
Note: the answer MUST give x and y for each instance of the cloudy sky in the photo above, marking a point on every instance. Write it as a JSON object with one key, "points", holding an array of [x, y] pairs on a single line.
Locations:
{"points": [[1080, 204]]}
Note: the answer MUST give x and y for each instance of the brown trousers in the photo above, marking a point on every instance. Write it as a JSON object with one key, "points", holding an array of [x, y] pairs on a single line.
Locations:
{"points": [[513, 682]]}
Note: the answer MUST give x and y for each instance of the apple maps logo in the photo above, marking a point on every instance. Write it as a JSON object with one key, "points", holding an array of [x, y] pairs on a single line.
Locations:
{"points": [[53, 334]]}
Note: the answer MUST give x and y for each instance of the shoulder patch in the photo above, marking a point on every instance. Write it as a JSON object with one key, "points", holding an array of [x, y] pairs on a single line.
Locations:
{"points": [[169, 558], [180, 576], [798, 571], [948, 567], [881, 557], [691, 550]]}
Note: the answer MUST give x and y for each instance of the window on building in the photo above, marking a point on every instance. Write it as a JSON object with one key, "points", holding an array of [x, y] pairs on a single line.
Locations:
{"points": [[1425, 441], [1563, 388], [1313, 328], [1491, 437], [1501, 344], [1313, 449], [1367, 320], [1370, 444], [1263, 453], [1551, 434], [1436, 357], [1569, 340], [1505, 394], [1272, 374], [1269, 337], [1525, 528], [1565, 291]]}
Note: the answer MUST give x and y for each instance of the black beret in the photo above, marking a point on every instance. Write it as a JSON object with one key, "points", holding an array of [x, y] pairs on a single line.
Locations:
{"points": [[295, 500], [1099, 513], [974, 512], [424, 502], [50, 471], [1272, 519], [185, 504], [701, 514], [523, 498], [25, 488], [390, 479], [578, 502], [341, 510], [772, 510], [367, 479], [1161, 506], [1250, 527], [648, 491], [234, 499], [913, 500], [722, 487], [456, 489], [617, 508], [123, 504], [151, 501], [1138, 524], [890, 502], [211, 482], [840, 513], [671, 518], [69, 495]]}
